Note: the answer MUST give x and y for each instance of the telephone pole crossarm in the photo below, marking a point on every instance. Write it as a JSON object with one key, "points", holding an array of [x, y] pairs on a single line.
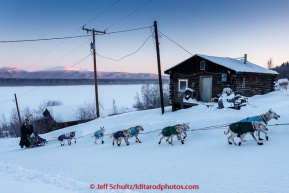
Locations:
{"points": [[93, 30]]}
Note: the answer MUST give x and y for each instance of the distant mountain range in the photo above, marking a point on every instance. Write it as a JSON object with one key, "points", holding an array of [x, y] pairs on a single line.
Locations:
{"points": [[61, 72]]}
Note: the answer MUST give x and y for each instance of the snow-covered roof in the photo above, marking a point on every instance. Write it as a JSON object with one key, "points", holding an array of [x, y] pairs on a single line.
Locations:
{"points": [[63, 113], [234, 64]]}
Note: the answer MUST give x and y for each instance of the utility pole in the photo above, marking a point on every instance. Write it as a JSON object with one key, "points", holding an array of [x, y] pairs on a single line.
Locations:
{"points": [[93, 31], [17, 109], [159, 68]]}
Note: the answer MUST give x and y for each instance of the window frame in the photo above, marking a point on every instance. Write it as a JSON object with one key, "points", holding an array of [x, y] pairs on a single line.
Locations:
{"points": [[179, 84], [203, 62]]}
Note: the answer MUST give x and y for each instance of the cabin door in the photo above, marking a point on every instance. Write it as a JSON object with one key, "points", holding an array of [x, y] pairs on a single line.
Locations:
{"points": [[206, 88]]}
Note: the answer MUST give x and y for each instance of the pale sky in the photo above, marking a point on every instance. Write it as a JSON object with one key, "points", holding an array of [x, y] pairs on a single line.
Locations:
{"points": [[225, 28]]}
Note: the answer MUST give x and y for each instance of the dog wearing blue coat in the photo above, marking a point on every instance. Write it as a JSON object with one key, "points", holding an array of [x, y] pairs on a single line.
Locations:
{"points": [[99, 134], [119, 135], [68, 137], [134, 132], [265, 118]]}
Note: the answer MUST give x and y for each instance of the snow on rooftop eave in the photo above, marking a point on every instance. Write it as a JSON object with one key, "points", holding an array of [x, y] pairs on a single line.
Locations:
{"points": [[166, 71], [237, 65], [63, 113]]}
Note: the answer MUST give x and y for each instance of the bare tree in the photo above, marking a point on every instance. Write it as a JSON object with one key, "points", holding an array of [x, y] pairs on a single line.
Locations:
{"points": [[47, 103], [270, 63], [4, 127], [86, 112], [151, 97], [14, 125], [27, 113]]}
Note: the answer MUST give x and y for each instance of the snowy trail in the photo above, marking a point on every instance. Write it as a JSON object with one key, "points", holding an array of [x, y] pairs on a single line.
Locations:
{"points": [[205, 159]]}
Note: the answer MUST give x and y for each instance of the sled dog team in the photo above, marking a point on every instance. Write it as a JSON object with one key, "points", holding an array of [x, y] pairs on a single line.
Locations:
{"points": [[237, 129]]}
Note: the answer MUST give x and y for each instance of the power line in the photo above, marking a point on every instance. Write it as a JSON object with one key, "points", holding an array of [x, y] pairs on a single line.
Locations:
{"points": [[6, 100], [129, 15], [128, 54], [176, 43], [43, 39], [153, 39], [125, 30], [69, 37], [100, 14]]}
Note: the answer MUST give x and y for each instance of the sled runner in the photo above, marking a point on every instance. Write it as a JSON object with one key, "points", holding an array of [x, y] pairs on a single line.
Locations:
{"points": [[35, 140]]}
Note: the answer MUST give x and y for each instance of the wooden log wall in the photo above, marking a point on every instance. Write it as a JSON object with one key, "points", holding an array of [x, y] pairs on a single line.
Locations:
{"points": [[255, 84]]}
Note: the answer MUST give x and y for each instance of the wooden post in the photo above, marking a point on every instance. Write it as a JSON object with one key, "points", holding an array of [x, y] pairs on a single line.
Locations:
{"points": [[17, 109], [95, 77], [159, 67], [93, 31]]}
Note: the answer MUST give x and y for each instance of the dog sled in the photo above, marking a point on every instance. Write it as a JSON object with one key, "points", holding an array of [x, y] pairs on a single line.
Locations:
{"points": [[35, 140], [230, 99]]}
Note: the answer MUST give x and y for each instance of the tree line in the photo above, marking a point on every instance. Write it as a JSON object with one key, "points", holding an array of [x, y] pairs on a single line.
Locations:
{"points": [[66, 82], [283, 70]]}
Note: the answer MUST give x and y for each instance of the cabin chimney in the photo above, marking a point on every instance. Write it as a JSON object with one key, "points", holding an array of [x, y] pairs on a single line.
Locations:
{"points": [[245, 58]]}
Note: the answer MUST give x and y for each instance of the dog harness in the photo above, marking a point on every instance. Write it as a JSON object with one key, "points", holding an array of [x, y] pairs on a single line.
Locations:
{"points": [[170, 130], [133, 131], [98, 134], [255, 118], [118, 134], [242, 127]]}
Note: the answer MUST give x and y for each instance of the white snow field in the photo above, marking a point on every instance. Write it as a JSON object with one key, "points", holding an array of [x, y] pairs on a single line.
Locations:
{"points": [[206, 159]]}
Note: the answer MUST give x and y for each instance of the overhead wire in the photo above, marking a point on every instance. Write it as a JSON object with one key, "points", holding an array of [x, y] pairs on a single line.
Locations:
{"points": [[125, 55], [153, 36], [176, 43], [128, 15], [43, 39], [70, 37], [101, 13], [128, 30]]}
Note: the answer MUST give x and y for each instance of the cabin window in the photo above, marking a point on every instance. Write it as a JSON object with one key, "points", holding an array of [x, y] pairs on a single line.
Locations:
{"points": [[183, 84], [244, 83], [224, 77], [203, 65]]}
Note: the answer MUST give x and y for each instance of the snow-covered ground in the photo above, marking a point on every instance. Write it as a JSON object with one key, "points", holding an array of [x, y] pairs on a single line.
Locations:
{"points": [[206, 159]]}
